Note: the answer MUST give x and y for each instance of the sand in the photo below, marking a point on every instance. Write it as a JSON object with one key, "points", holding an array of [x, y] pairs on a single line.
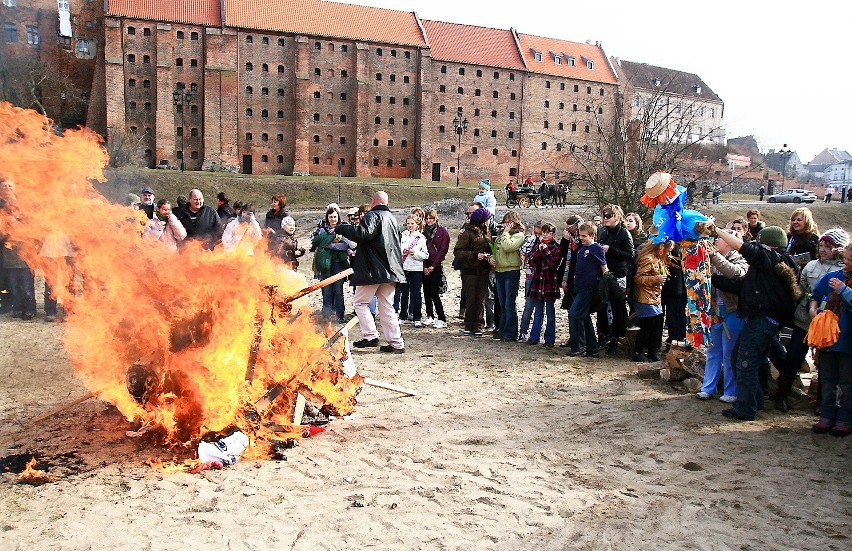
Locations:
{"points": [[506, 446]]}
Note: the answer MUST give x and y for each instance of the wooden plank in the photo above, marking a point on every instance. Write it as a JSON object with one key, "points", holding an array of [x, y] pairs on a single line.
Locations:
{"points": [[299, 410], [389, 386]]}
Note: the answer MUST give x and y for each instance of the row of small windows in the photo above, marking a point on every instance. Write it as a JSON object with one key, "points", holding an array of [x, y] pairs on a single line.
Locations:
{"points": [[145, 31], [179, 154], [192, 131], [402, 143], [548, 84], [392, 100], [264, 113], [131, 58], [478, 73], [380, 52], [132, 83], [574, 107], [392, 78], [330, 47], [264, 137], [192, 35], [572, 147], [477, 92], [330, 95], [561, 126], [11, 34], [477, 112], [192, 62], [389, 163], [264, 91]]}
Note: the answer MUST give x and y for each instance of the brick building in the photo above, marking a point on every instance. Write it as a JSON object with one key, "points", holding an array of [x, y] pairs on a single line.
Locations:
{"points": [[328, 86]]}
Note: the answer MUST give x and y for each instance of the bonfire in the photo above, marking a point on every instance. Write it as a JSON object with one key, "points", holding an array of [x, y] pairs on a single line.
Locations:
{"points": [[184, 344]]}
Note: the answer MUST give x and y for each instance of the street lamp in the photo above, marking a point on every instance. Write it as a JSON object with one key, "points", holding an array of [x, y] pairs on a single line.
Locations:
{"points": [[181, 97], [460, 126], [785, 154]]}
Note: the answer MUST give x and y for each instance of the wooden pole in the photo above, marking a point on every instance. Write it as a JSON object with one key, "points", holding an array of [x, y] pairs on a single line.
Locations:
{"points": [[339, 333], [319, 285], [389, 386], [62, 408]]}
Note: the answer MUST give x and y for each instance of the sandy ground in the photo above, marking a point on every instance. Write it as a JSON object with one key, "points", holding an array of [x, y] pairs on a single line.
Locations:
{"points": [[506, 446]]}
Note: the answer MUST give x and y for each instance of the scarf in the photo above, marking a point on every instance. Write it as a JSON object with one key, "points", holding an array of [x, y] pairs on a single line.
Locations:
{"points": [[430, 231], [834, 303]]}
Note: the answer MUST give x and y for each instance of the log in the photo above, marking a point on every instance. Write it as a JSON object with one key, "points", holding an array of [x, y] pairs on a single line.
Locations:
{"points": [[673, 374], [692, 384], [650, 370], [389, 386], [62, 408], [318, 285], [695, 363]]}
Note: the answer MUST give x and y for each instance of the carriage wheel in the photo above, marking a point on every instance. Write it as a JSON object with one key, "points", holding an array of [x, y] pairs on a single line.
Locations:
{"points": [[539, 202], [511, 203], [524, 202]]}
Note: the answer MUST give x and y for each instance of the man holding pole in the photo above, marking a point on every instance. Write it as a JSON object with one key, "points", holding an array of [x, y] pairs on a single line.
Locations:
{"points": [[377, 269]]}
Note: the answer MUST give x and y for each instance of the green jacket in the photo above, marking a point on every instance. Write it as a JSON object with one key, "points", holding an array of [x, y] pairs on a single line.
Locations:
{"points": [[506, 248]]}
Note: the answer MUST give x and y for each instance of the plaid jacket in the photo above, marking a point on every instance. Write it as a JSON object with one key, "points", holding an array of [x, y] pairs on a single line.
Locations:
{"points": [[544, 263]]}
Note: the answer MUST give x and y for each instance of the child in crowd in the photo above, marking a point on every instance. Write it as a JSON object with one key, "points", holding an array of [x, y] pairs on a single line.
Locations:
{"points": [[544, 288], [286, 244], [243, 232], [591, 265], [530, 242], [414, 252], [651, 273]]}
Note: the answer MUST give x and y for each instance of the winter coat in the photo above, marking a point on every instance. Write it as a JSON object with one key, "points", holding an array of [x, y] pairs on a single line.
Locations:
{"points": [[764, 293], [811, 274], [506, 251], [474, 239], [620, 253], [438, 245], [378, 257], [544, 263], [170, 232], [731, 266], [415, 241], [648, 289], [487, 200], [243, 235], [203, 225], [328, 251], [286, 247], [801, 244]]}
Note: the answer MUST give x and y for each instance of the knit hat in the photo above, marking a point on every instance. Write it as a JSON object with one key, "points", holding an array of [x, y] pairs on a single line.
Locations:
{"points": [[485, 184], [480, 216], [836, 236], [287, 220], [773, 236]]}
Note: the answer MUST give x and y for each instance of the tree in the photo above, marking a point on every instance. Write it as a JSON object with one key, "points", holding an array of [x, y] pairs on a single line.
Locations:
{"points": [[125, 148], [651, 129], [38, 84]]}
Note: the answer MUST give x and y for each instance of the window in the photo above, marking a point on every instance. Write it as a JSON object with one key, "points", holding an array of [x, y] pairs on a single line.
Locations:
{"points": [[405, 101], [193, 109], [576, 87], [537, 56], [193, 36], [543, 146], [264, 158], [180, 35], [280, 41], [279, 159], [477, 92], [379, 52], [494, 114], [315, 160], [146, 31], [265, 40], [280, 114], [511, 135], [511, 76], [146, 59], [404, 122], [378, 120], [442, 109], [442, 88], [280, 69], [316, 138], [407, 55], [378, 99], [452, 149], [558, 146], [179, 62], [264, 137], [317, 95], [560, 126], [132, 106], [131, 83], [546, 104], [193, 63], [476, 112], [391, 121], [147, 106], [586, 129], [193, 87], [512, 95], [511, 115], [264, 91], [317, 46], [574, 107], [476, 131], [442, 129], [474, 150], [495, 94], [316, 117], [342, 140], [344, 48], [590, 64], [561, 105], [557, 59], [264, 114], [546, 124], [281, 92], [390, 162], [193, 132], [280, 137], [249, 39], [494, 152], [479, 72], [588, 109], [317, 71], [265, 67], [460, 90], [571, 61], [249, 112], [342, 118], [444, 69], [83, 46], [403, 163], [600, 110], [375, 142], [588, 89], [344, 73], [493, 133], [248, 136], [561, 85], [547, 84], [403, 143], [33, 38], [378, 76], [249, 66], [131, 30], [131, 58], [461, 71], [406, 79], [601, 92], [134, 130], [573, 127]]}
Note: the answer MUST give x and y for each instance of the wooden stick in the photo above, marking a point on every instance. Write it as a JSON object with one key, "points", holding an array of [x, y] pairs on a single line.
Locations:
{"points": [[62, 408], [319, 285], [299, 411], [339, 333], [390, 386]]}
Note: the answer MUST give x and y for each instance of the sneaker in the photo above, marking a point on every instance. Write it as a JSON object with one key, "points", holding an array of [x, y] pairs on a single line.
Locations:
{"points": [[489, 328], [403, 321], [478, 334], [821, 428], [428, 321], [418, 323], [727, 399], [612, 348], [440, 324], [840, 431], [390, 349], [704, 395], [522, 338], [49, 318], [364, 343], [467, 333]]}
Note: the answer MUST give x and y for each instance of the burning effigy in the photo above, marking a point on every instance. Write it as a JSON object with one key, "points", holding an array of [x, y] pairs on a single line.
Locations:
{"points": [[185, 344]]}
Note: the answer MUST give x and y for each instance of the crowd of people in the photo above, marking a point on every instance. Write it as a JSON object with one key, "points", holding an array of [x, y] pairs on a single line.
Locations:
{"points": [[608, 273]]}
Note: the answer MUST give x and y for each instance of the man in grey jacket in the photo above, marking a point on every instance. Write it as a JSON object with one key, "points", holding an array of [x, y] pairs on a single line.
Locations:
{"points": [[377, 269]]}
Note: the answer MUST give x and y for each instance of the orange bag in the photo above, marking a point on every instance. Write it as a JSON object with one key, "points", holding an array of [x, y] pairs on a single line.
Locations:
{"points": [[824, 330]]}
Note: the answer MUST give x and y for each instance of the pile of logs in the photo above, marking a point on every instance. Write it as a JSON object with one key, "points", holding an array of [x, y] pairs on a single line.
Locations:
{"points": [[682, 364]]}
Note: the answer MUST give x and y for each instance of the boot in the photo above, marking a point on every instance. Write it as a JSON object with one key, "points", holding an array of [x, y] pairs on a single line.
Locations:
{"points": [[612, 347], [785, 383]]}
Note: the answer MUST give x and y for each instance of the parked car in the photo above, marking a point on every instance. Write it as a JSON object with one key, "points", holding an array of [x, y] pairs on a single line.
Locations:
{"points": [[793, 196]]}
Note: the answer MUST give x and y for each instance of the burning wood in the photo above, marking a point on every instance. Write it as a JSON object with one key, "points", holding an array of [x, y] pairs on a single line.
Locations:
{"points": [[33, 476]]}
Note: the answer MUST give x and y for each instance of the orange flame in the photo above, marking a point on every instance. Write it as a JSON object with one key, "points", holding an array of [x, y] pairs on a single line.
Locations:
{"points": [[187, 318], [31, 475]]}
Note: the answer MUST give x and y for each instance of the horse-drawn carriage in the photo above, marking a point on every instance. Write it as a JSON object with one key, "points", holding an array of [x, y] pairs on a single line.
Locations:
{"points": [[523, 197]]}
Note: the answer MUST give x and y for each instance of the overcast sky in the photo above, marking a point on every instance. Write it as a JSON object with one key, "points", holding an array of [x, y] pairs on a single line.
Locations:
{"points": [[780, 67]]}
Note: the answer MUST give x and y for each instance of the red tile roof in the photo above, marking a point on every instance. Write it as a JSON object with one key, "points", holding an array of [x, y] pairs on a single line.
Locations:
{"points": [[328, 19], [551, 47], [198, 12], [473, 45]]}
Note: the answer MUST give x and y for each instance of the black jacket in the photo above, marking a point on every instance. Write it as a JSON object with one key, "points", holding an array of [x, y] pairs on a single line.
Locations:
{"points": [[620, 253], [763, 292], [202, 226], [378, 257]]}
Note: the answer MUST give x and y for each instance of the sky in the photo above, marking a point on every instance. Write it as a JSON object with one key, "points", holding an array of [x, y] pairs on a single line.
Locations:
{"points": [[781, 68]]}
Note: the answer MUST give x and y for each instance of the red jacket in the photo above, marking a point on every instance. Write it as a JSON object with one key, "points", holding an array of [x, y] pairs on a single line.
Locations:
{"points": [[544, 263]]}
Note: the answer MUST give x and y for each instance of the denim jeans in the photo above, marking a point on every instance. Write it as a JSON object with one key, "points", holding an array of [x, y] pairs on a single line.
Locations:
{"points": [[720, 360], [22, 289], [526, 315], [332, 295], [835, 377], [507, 296], [431, 296], [752, 350], [412, 297], [540, 308], [580, 320]]}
